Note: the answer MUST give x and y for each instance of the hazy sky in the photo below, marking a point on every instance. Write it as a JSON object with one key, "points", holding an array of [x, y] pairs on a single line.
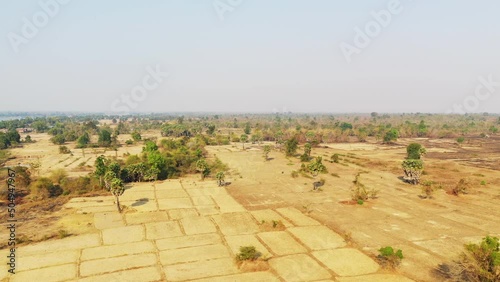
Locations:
{"points": [[250, 55]]}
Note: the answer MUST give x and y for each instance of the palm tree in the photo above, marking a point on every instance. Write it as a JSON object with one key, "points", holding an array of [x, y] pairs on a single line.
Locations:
{"points": [[220, 178], [244, 139], [117, 188]]}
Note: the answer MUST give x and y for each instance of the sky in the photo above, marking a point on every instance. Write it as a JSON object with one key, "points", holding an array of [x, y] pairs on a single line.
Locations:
{"points": [[329, 56]]}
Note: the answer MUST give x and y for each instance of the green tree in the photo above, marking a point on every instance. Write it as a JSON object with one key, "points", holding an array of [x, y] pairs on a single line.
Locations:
{"points": [[13, 136], [481, 262], [220, 178], [317, 166], [157, 166], [391, 136], [244, 139], [415, 151], [307, 153], [58, 139], [27, 139], [83, 140], [100, 169], [345, 126], [117, 188], [4, 141], [108, 178], [136, 136], [247, 128], [150, 146], [40, 126], [422, 129], [104, 139], [203, 168], [210, 129], [291, 146]]}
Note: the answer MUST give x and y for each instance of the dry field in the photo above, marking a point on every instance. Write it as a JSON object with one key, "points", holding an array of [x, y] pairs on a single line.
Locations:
{"points": [[79, 162], [429, 231]]}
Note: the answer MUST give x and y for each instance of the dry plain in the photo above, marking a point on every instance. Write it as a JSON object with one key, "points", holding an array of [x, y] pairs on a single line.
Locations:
{"points": [[186, 229]]}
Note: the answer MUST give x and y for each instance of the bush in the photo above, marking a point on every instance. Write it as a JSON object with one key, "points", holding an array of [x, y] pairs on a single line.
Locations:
{"points": [[335, 158], [460, 140], [64, 150], [481, 262], [248, 253], [391, 136], [304, 158], [388, 258], [295, 174], [462, 187], [43, 188], [63, 233], [317, 166]]}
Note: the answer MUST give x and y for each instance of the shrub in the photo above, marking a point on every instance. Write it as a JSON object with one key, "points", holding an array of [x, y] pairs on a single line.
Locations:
{"points": [[304, 158], [462, 187], [391, 136], [481, 262], [63, 233], [317, 166], [43, 188], [136, 136], [220, 178], [248, 253], [295, 174], [460, 140], [64, 150], [388, 258], [483, 182], [335, 158]]}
